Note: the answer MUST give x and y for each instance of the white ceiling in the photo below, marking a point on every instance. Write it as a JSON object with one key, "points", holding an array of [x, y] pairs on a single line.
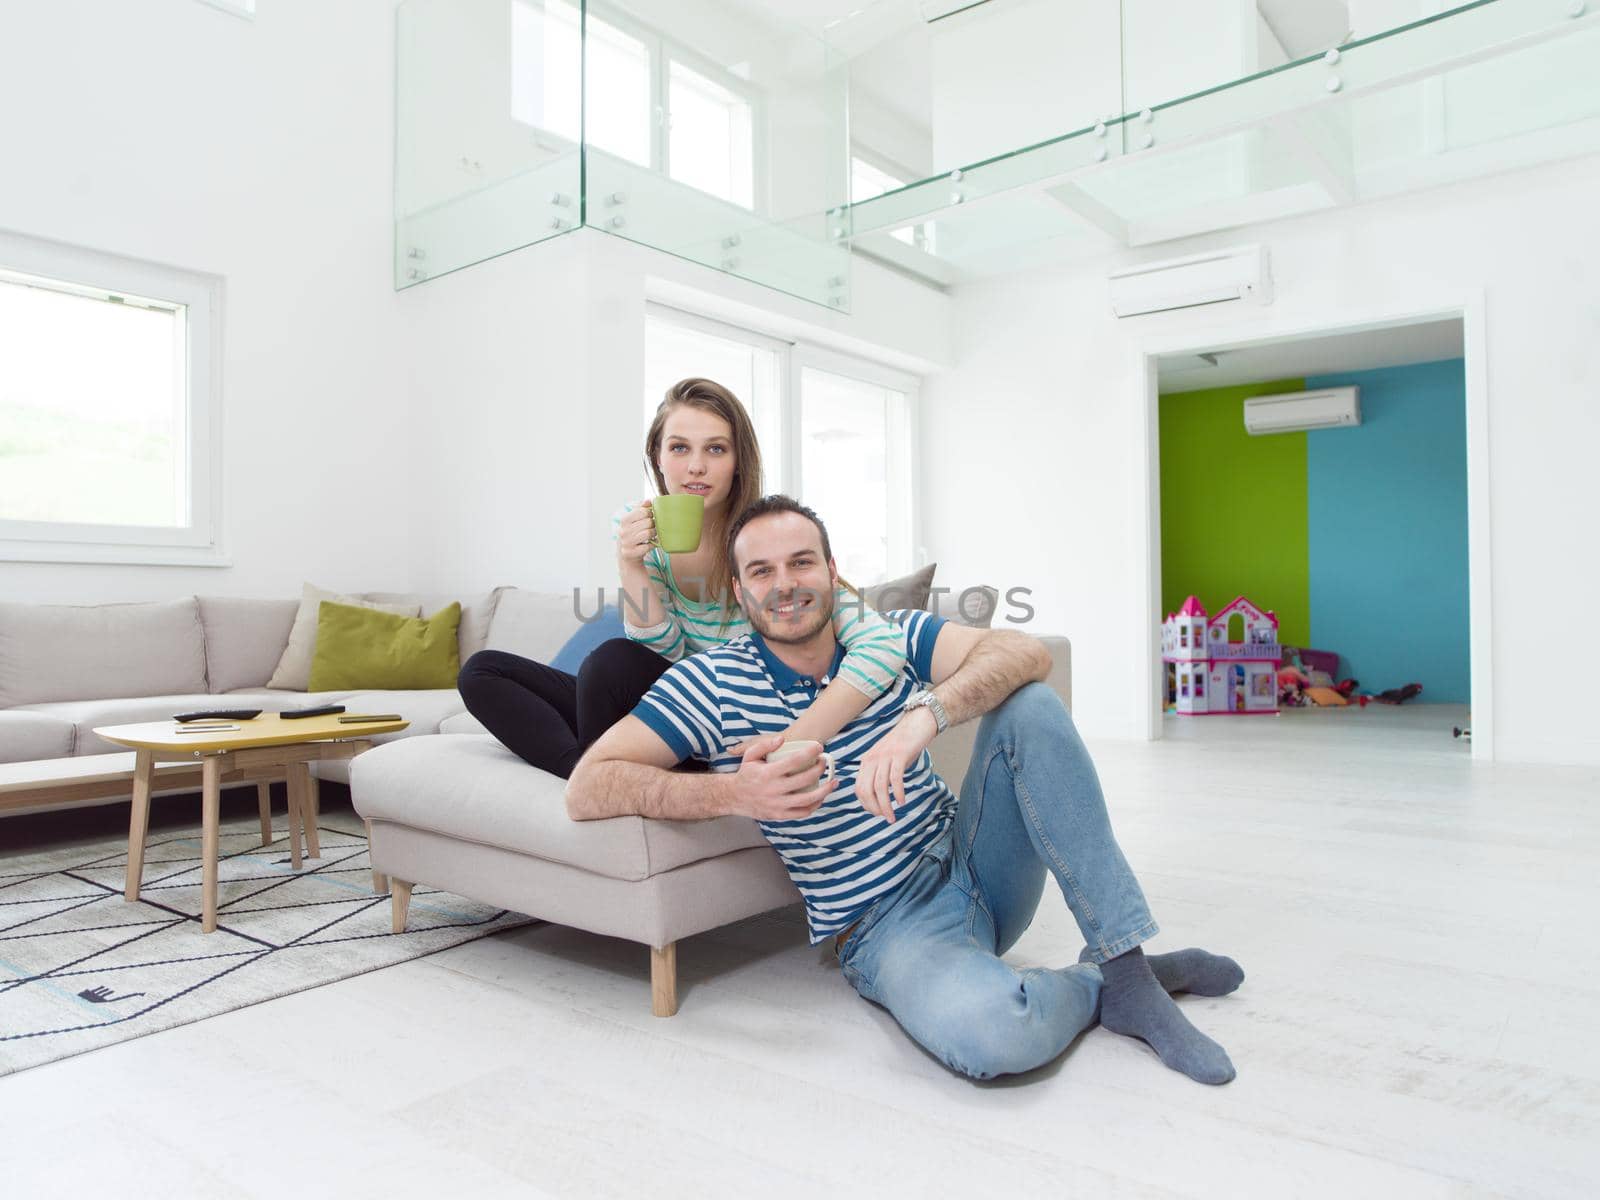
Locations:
{"points": [[1392, 346]]}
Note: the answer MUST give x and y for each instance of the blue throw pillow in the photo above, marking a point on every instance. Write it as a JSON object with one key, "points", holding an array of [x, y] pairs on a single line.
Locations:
{"points": [[590, 634]]}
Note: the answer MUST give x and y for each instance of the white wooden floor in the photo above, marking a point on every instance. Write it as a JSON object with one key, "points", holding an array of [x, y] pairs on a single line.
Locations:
{"points": [[1421, 936]]}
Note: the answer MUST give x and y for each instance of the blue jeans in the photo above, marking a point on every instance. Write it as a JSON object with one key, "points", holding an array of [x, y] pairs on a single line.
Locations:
{"points": [[929, 952]]}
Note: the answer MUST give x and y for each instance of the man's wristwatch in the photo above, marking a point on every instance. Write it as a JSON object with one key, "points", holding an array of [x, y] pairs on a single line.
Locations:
{"points": [[924, 698]]}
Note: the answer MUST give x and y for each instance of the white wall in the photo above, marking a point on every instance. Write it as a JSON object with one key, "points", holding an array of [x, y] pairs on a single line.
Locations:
{"points": [[527, 383], [1011, 75], [1043, 420], [485, 424], [259, 151]]}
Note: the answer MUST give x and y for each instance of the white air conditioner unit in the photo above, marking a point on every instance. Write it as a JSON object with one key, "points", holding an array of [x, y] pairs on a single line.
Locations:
{"points": [[1293, 412], [1238, 274]]}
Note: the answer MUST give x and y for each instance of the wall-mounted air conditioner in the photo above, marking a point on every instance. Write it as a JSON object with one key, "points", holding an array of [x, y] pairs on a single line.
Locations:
{"points": [[1216, 278], [1293, 412]]}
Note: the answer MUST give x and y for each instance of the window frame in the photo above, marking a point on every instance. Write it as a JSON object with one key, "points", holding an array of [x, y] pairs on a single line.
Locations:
{"points": [[82, 271], [777, 473], [904, 511]]}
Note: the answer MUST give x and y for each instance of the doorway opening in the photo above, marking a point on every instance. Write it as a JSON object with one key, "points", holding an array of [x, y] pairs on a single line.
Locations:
{"points": [[1366, 544]]}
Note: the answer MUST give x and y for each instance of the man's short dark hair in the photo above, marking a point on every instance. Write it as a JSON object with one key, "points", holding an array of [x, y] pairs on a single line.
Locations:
{"points": [[766, 507]]}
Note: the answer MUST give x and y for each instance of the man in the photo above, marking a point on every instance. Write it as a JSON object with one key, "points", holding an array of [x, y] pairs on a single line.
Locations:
{"points": [[921, 892]]}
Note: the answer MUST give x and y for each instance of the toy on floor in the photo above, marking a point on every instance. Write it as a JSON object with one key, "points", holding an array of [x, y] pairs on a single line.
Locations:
{"points": [[1325, 697], [1212, 672], [1399, 695], [1292, 684]]}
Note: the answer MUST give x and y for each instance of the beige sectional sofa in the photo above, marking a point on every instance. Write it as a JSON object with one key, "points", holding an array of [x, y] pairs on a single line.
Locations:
{"points": [[446, 804], [66, 669]]}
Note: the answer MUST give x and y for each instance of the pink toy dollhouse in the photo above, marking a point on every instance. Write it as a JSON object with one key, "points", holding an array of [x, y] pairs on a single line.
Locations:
{"points": [[1226, 664]]}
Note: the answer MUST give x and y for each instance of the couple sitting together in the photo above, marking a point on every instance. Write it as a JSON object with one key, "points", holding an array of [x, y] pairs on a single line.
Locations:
{"points": [[750, 642]]}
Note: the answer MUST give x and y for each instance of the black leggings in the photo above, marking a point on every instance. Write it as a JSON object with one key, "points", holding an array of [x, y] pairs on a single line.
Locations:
{"points": [[549, 717]]}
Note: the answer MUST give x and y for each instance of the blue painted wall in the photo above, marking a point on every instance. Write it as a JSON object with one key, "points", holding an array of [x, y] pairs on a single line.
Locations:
{"points": [[1387, 525]]}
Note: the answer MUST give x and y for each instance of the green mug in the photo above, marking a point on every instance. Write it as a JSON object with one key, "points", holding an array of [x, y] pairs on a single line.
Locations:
{"points": [[678, 521]]}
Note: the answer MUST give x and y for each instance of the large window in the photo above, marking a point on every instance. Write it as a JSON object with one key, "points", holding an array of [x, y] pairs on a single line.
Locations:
{"points": [[835, 430], [855, 460], [711, 144], [647, 100], [106, 408], [679, 345]]}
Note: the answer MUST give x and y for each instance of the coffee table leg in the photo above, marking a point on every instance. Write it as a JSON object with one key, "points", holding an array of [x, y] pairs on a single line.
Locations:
{"points": [[264, 803], [211, 803], [308, 807], [144, 763], [292, 785]]}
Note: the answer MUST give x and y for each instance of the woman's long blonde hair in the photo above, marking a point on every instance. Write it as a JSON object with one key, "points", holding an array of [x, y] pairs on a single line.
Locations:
{"points": [[712, 397]]}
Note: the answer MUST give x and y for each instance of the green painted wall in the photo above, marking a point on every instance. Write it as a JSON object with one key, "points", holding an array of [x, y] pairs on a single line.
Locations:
{"points": [[1233, 508]]}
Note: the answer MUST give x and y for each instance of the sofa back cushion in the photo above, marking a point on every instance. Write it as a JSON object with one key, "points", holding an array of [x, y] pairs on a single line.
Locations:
{"points": [[244, 639], [52, 652], [476, 612], [293, 672], [535, 624], [589, 635]]}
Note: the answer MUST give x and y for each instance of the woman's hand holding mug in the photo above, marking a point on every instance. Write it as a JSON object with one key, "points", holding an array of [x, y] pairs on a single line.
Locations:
{"points": [[636, 534]]}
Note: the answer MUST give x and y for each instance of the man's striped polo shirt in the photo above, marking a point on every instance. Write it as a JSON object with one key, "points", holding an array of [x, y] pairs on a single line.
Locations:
{"points": [[841, 857]]}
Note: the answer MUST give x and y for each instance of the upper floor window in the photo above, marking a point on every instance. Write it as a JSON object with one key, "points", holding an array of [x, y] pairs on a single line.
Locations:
{"points": [[646, 99], [106, 408]]}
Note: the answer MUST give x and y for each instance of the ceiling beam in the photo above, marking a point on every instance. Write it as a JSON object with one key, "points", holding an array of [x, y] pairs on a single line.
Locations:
{"points": [[1084, 206]]}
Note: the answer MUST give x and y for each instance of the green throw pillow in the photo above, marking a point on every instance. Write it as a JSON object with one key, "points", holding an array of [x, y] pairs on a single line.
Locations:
{"points": [[364, 648]]}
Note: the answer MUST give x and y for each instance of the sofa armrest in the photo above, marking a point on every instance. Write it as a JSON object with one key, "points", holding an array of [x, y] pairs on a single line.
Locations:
{"points": [[952, 750], [1060, 677]]}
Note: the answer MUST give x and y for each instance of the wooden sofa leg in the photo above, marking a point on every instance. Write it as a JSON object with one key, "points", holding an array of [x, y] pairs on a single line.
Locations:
{"points": [[399, 902], [380, 881], [664, 980]]}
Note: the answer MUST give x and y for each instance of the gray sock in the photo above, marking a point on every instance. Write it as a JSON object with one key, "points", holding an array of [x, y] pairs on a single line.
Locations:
{"points": [[1133, 1002], [1192, 970]]}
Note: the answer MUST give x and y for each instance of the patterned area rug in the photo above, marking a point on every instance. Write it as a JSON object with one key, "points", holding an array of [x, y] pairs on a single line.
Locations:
{"points": [[80, 968]]}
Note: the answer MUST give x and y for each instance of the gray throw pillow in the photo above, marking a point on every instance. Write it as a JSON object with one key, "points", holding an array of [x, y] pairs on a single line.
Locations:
{"points": [[909, 591], [974, 606]]}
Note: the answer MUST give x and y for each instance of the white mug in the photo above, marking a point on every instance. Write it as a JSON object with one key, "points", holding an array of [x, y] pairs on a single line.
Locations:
{"points": [[810, 747]]}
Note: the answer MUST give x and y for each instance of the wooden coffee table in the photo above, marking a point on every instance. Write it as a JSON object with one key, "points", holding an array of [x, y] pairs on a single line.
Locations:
{"points": [[265, 746]]}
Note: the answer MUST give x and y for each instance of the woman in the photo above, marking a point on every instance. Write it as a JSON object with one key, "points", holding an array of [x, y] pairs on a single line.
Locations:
{"points": [[700, 443]]}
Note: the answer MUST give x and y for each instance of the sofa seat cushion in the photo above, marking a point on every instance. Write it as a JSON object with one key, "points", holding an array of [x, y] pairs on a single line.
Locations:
{"points": [[25, 736], [473, 789], [424, 709], [52, 652], [87, 715], [463, 722]]}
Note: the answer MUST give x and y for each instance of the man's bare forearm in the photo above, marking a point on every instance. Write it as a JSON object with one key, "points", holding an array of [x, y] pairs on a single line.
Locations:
{"points": [[994, 668], [616, 788]]}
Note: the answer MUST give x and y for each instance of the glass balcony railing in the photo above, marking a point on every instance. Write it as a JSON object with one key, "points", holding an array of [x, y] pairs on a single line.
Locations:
{"points": [[954, 139], [1017, 131], [713, 132]]}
